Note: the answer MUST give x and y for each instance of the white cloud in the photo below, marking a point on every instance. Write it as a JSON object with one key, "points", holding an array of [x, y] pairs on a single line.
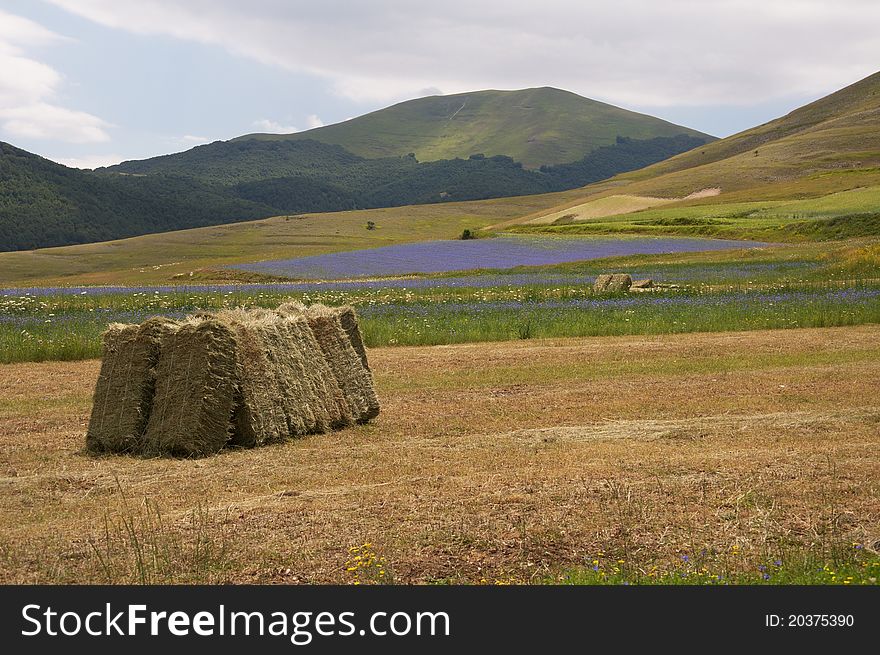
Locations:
{"points": [[44, 121], [28, 87], [637, 52], [193, 139], [266, 125], [312, 121], [90, 161]]}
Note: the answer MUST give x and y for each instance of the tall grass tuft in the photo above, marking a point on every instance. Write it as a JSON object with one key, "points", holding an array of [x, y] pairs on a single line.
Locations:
{"points": [[140, 546]]}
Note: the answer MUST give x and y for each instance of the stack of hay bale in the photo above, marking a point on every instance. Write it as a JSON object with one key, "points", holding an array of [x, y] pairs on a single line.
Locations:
{"points": [[236, 377], [612, 283]]}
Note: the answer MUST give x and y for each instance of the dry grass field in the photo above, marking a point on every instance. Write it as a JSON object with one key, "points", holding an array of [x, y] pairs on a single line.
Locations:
{"points": [[506, 462]]}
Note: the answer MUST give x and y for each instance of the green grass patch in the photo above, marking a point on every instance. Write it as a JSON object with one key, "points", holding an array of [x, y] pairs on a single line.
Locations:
{"points": [[835, 216], [69, 327], [804, 285], [791, 565]]}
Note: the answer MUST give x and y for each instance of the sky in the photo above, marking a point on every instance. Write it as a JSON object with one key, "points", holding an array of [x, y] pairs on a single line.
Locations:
{"points": [[93, 82]]}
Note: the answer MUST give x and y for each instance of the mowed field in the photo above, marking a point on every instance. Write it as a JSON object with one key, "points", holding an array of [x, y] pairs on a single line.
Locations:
{"points": [[493, 463]]}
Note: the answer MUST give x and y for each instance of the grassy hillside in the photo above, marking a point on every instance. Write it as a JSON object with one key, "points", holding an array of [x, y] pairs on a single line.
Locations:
{"points": [[841, 130], [829, 146], [533, 126], [171, 256], [43, 203], [841, 215]]}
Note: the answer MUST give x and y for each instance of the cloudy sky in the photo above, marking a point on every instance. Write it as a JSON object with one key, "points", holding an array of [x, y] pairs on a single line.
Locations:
{"points": [[91, 82]]}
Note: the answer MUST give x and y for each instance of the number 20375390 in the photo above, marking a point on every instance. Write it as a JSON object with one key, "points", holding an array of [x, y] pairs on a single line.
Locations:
{"points": [[809, 620]]}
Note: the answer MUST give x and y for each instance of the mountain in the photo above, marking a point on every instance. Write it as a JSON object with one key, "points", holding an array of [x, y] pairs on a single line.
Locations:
{"points": [[536, 127], [44, 204], [836, 133], [471, 145], [827, 146]]}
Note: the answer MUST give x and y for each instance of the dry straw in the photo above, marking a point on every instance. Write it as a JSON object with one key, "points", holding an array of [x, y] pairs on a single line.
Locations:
{"points": [[601, 283], [196, 386], [613, 283], [126, 384], [259, 416], [238, 377], [349, 321], [353, 377], [619, 282], [333, 408]]}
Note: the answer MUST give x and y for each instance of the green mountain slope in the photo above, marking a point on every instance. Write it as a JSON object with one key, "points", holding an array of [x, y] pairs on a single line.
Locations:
{"points": [[533, 126], [828, 146], [43, 203], [838, 131]]}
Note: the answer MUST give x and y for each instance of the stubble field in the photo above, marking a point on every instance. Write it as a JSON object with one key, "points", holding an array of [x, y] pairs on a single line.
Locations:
{"points": [[710, 456]]}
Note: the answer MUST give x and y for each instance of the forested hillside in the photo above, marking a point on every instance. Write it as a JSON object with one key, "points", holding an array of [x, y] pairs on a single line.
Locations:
{"points": [[45, 204]]}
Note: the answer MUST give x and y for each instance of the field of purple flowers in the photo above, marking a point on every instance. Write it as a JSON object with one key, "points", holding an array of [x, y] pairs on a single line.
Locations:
{"points": [[66, 324], [501, 252], [715, 291]]}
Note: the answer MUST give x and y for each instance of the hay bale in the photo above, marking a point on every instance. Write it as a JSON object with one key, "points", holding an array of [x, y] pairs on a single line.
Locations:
{"points": [[619, 283], [612, 283], [642, 284], [126, 385], [349, 320], [259, 416], [196, 386], [321, 393], [353, 377], [601, 283], [309, 404]]}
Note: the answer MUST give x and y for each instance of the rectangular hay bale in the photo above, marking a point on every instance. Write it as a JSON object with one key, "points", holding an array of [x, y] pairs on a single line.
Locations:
{"points": [[601, 283], [258, 417], [323, 393], [196, 384], [353, 377], [619, 282], [125, 387], [349, 320]]}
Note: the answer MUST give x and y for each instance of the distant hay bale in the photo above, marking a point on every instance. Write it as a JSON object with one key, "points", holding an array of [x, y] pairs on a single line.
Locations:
{"points": [[619, 282], [353, 377], [259, 416], [601, 283], [643, 284], [196, 385], [613, 283], [125, 387]]}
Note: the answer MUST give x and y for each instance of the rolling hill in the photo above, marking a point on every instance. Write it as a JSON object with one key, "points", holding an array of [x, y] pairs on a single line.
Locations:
{"points": [[472, 147], [816, 175], [44, 204], [542, 126], [171, 256], [829, 146]]}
